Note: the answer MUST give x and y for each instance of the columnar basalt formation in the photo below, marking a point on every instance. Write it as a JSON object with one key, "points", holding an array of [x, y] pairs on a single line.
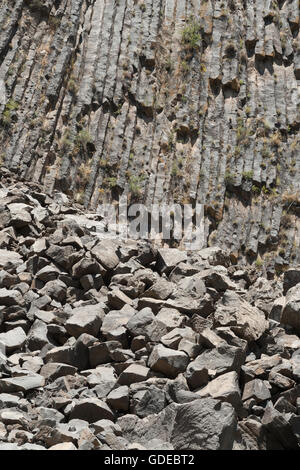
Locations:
{"points": [[170, 100]]}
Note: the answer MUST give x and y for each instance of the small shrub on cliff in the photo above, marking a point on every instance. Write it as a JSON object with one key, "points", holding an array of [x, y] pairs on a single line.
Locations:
{"points": [[191, 35], [248, 175], [10, 107], [83, 138], [229, 178]]}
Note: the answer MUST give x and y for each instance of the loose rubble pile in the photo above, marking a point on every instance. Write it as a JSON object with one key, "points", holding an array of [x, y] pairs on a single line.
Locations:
{"points": [[110, 345]]}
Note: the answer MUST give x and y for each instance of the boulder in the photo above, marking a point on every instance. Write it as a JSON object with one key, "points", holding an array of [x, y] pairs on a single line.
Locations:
{"points": [[133, 374], [22, 383], [224, 388], [86, 319], [167, 361], [91, 410], [291, 278], [216, 361], [246, 321], [168, 258], [14, 339], [10, 260], [118, 399], [256, 389], [291, 311]]}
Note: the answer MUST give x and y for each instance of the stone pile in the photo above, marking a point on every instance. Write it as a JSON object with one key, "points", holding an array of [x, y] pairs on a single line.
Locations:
{"points": [[123, 345]]}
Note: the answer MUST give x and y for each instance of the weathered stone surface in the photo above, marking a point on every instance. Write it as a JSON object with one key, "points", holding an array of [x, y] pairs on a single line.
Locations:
{"points": [[224, 388], [133, 374], [21, 384], [10, 297], [291, 310], [204, 424], [279, 428], [86, 319], [116, 318], [246, 321], [118, 399], [54, 370], [167, 361], [103, 379], [91, 410], [256, 389], [167, 259], [216, 361], [13, 339], [10, 260], [291, 278]]}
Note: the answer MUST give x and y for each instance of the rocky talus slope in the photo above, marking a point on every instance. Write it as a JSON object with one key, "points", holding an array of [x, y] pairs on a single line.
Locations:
{"points": [[123, 345], [185, 100]]}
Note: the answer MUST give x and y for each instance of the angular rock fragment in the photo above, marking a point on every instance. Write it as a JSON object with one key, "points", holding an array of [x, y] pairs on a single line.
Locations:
{"points": [[91, 410], [246, 321], [167, 361], [133, 374]]}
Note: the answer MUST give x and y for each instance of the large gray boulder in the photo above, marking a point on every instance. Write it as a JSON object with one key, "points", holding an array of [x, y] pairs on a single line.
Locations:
{"points": [[291, 311], [246, 321], [224, 388], [168, 258], [216, 361], [13, 339], [291, 278], [91, 410], [10, 260], [167, 361], [86, 319], [203, 424]]}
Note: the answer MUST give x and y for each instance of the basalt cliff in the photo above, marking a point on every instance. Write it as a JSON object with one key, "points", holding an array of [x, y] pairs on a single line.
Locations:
{"points": [[111, 344], [167, 100]]}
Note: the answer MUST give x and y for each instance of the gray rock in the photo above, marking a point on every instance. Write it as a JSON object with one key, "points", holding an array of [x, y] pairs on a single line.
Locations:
{"points": [[170, 317], [22, 383], [145, 323], [167, 361], [204, 424], [10, 297], [224, 388], [291, 278], [105, 253], [117, 299], [115, 319], [87, 319], [256, 389], [10, 260], [291, 311], [133, 374], [246, 321], [54, 370], [167, 259], [118, 399], [14, 339], [104, 379], [148, 401], [279, 428], [217, 361], [91, 410]]}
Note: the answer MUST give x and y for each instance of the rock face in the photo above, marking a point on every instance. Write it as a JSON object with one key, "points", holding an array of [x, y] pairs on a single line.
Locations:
{"points": [[161, 100], [118, 345]]}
